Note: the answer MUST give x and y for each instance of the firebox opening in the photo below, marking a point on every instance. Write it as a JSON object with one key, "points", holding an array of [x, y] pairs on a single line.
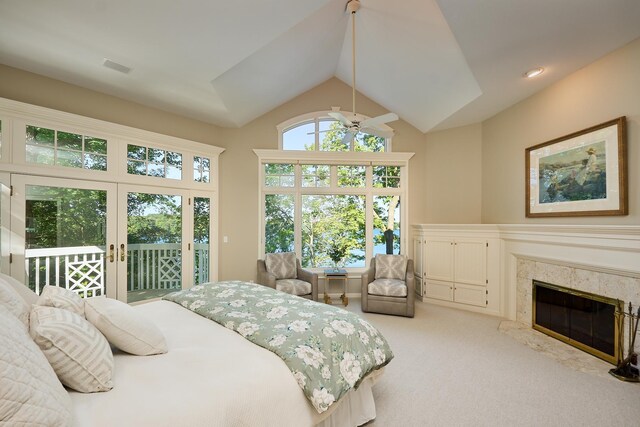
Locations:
{"points": [[584, 320]]}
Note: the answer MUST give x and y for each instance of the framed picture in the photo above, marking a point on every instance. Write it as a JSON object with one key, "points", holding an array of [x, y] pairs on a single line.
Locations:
{"points": [[581, 174]]}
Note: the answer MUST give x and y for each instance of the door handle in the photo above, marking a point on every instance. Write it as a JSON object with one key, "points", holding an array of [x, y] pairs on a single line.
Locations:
{"points": [[111, 252], [122, 252]]}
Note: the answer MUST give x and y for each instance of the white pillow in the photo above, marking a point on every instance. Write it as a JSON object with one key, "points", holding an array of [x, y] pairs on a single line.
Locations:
{"points": [[27, 294], [77, 351], [14, 303], [282, 265], [124, 327], [55, 296], [30, 392], [391, 267]]}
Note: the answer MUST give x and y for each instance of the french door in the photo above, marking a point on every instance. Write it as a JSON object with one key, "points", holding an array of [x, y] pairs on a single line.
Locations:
{"points": [[128, 242], [64, 234]]}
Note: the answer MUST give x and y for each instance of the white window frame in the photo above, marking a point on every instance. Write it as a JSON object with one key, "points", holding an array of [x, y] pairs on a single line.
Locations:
{"points": [[333, 159]]}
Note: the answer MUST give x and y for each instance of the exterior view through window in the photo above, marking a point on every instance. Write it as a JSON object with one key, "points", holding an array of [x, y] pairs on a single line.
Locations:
{"points": [[334, 212]]}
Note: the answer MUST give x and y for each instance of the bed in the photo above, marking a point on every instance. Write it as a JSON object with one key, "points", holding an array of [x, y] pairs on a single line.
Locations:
{"points": [[211, 376]]}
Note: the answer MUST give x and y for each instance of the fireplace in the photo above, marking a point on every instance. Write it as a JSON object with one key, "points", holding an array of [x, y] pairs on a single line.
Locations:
{"points": [[586, 321]]}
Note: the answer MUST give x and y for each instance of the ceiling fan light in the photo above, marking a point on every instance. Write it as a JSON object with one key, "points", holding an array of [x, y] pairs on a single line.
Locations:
{"points": [[533, 72]]}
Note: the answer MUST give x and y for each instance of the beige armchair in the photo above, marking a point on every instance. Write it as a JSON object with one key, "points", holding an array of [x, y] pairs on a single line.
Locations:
{"points": [[282, 271], [391, 288]]}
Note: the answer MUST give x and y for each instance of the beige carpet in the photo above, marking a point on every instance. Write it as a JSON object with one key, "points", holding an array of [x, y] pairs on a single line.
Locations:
{"points": [[454, 368]]}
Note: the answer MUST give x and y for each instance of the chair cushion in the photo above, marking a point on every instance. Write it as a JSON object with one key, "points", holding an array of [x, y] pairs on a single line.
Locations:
{"points": [[391, 267], [78, 353], [293, 286], [282, 265], [30, 392], [124, 327], [388, 288], [55, 296]]}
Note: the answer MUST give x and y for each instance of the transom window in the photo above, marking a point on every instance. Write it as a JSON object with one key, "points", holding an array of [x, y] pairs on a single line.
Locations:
{"points": [[153, 162], [201, 169], [279, 175], [53, 147], [386, 176], [315, 175], [351, 176]]}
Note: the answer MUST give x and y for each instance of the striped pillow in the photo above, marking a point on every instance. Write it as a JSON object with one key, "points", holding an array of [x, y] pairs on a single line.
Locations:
{"points": [[55, 296], [79, 354]]}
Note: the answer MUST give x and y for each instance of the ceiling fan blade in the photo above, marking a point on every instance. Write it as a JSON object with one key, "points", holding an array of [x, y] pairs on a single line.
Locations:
{"points": [[341, 118], [374, 121], [348, 137], [319, 131], [378, 132]]}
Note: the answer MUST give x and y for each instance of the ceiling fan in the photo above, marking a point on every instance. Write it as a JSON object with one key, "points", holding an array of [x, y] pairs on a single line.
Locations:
{"points": [[353, 126]]}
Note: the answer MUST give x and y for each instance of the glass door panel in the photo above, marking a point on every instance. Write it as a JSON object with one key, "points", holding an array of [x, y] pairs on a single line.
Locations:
{"points": [[66, 235], [201, 239], [153, 255]]}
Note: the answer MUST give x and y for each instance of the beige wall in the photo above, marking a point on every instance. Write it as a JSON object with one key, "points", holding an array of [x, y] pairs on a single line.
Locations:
{"points": [[604, 90], [453, 167], [38, 90], [239, 205], [239, 170]]}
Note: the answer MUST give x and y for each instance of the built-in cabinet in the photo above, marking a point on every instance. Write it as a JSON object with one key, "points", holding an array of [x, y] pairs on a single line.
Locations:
{"points": [[458, 266]]}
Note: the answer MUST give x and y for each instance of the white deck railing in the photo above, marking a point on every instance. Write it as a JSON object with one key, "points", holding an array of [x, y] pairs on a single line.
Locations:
{"points": [[82, 268]]}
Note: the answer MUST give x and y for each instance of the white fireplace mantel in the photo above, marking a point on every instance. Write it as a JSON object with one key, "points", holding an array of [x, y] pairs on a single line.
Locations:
{"points": [[612, 250], [601, 249]]}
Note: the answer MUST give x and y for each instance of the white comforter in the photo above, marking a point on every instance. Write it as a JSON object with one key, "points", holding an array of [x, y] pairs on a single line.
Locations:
{"points": [[211, 376]]}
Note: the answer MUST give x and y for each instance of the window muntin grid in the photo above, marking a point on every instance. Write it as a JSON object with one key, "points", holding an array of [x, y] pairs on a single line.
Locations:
{"points": [[201, 169], [154, 162], [53, 147], [279, 175]]}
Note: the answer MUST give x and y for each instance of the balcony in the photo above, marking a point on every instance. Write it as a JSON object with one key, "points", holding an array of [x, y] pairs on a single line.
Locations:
{"points": [[152, 269]]}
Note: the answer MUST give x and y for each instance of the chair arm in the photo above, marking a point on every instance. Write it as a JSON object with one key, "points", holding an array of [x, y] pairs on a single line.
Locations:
{"points": [[264, 277], [411, 288], [310, 277], [366, 278]]}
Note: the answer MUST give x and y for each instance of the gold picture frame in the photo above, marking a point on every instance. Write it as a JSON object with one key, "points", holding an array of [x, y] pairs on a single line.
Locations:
{"points": [[580, 174]]}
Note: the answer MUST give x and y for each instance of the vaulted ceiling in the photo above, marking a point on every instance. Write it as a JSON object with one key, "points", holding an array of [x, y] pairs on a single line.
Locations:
{"points": [[437, 64]]}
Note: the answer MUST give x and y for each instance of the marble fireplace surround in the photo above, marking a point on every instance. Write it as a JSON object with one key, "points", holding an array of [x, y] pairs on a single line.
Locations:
{"points": [[603, 260]]}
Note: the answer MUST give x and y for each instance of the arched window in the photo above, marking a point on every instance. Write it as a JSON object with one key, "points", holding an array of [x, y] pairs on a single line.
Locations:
{"points": [[319, 132]]}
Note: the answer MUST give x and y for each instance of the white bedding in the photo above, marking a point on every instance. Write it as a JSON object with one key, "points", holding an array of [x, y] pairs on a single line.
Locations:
{"points": [[210, 376]]}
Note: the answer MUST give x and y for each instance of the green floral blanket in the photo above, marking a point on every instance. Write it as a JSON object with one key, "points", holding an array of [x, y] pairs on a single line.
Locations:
{"points": [[329, 350]]}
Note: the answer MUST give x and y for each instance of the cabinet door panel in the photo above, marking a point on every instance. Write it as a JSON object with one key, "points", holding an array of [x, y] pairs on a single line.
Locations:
{"points": [[470, 294], [438, 290], [439, 259], [471, 262]]}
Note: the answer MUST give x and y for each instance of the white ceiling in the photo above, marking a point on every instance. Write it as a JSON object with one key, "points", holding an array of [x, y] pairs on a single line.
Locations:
{"points": [[437, 64]]}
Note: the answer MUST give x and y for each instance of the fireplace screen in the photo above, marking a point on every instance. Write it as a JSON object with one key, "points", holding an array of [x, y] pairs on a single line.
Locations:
{"points": [[586, 321]]}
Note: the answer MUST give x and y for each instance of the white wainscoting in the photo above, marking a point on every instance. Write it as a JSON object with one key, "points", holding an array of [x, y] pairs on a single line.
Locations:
{"points": [[576, 250]]}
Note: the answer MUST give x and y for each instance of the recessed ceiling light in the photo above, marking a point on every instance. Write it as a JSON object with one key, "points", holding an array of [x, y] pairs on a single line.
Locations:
{"points": [[534, 72], [115, 66]]}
